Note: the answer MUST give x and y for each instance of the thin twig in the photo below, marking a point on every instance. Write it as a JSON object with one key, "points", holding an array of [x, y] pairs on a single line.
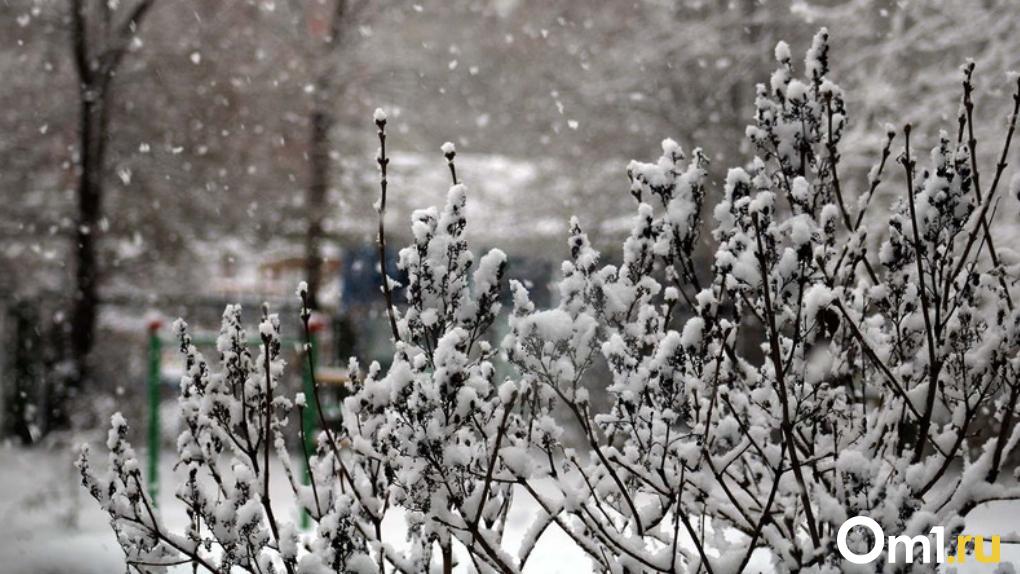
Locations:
{"points": [[989, 199], [777, 365], [933, 364], [968, 105], [380, 122]]}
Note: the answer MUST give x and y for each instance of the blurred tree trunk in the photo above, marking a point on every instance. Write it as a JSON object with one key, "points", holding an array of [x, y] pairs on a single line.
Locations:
{"points": [[92, 127], [747, 34], [318, 149], [318, 186], [98, 47], [24, 376]]}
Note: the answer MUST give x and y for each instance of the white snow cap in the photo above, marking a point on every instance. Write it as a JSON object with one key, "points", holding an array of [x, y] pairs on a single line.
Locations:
{"points": [[267, 328], [796, 90], [379, 115], [448, 148], [782, 52], [669, 146]]}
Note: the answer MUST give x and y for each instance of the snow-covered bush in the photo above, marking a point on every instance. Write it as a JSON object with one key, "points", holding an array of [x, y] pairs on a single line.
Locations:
{"points": [[886, 384]]}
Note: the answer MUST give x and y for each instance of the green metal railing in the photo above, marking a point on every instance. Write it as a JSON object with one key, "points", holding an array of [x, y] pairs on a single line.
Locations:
{"points": [[309, 415], [155, 366]]}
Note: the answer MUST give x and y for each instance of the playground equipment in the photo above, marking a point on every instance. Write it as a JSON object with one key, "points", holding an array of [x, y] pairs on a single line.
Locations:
{"points": [[326, 377]]}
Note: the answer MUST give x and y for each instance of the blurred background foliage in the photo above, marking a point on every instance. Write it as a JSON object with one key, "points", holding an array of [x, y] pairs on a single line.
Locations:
{"points": [[240, 148]]}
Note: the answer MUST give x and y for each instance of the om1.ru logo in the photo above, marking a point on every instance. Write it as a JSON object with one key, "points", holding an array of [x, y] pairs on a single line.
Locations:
{"points": [[927, 553]]}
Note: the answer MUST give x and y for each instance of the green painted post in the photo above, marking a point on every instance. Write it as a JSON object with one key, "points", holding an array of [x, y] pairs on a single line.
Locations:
{"points": [[310, 414], [155, 356]]}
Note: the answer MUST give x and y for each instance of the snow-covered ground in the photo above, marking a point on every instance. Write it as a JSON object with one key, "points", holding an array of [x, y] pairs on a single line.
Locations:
{"points": [[49, 525]]}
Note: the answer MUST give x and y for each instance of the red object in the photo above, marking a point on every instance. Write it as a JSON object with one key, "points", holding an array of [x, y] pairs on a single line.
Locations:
{"points": [[316, 323], [154, 324], [318, 21]]}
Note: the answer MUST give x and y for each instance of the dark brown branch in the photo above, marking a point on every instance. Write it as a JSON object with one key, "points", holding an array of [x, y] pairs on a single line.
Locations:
{"points": [[872, 186], [110, 60], [308, 465], [500, 432], [79, 42], [989, 199], [383, 161], [933, 364], [833, 162], [968, 105], [305, 321], [1005, 427], [765, 516], [777, 366], [830, 146], [266, 503]]}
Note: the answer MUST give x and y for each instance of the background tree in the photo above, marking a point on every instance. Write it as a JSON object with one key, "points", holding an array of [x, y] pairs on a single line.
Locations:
{"points": [[326, 32], [100, 38]]}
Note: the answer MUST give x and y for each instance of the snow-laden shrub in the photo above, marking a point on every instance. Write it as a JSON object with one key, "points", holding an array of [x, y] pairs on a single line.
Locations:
{"points": [[887, 384]]}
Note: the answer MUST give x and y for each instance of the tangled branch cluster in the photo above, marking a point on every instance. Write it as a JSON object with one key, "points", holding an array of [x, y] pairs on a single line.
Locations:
{"points": [[801, 380]]}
